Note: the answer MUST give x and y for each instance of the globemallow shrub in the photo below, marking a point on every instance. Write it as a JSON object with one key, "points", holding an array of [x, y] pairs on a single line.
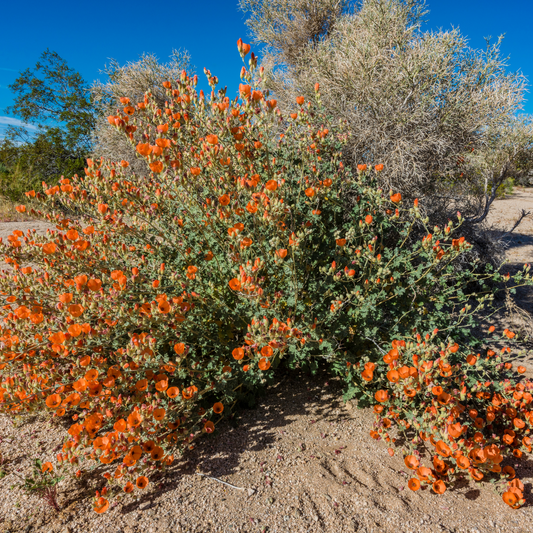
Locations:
{"points": [[243, 249]]}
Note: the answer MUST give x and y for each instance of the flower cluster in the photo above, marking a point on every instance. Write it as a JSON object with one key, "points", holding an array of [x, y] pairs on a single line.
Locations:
{"points": [[443, 407]]}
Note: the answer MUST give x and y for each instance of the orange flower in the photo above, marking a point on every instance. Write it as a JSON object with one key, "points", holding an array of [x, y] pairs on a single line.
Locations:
{"points": [[271, 185], [189, 392], [508, 334], [379, 168], [361, 168], [102, 208], [367, 375], [455, 430], [266, 351], [282, 253], [300, 100], [509, 471], [72, 235], [195, 171], [443, 449], [393, 376], [179, 348], [156, 167], [310, 192], [218, 407], [264, 364], [251, 207], [244, 89], [238, 353], [128, 487], [135, 419], [439, 465], [471, 359], [463, 462], [159, 413], [510, 498], [395, 198], [521, 369], [224, 199], [101, 506], [162, 385], [91, 375], [75, 330], [341, 242], [172, 392], [424, 473], [94, 284], [413, 484], [47, 467], [80, 385], [235, 284], [120, 425], [49, 248], [75, 310], [211, 139], [209, 427], [439, 487], [476, 474], [142, 482], [157, 453], [381, 396], [53, 401], [368, 219], [478, 455], [411, 462]]}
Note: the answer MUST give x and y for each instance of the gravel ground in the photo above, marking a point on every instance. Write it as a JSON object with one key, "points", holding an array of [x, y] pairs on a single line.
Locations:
{"points": [[301, 461]]}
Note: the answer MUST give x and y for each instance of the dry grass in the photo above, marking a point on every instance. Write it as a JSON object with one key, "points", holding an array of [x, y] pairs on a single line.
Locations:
{"points": [[8, 212]]}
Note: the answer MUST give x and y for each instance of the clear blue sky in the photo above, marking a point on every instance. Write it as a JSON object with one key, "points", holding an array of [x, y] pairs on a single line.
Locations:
{"points": [[87, 34]]}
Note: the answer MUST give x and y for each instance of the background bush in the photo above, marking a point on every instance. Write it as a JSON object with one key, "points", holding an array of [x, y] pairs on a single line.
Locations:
{"points": [[442, 117]]}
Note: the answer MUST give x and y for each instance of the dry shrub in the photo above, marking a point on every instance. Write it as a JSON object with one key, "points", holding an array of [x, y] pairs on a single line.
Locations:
{"points": [[438, 114], [132, 80]]}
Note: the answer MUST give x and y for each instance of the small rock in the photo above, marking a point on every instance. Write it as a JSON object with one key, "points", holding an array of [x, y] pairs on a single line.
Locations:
{"points": [[251, 492]]}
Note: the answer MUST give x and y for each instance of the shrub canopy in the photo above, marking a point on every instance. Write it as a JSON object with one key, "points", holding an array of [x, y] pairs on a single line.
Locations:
{"points": [[176, 292]]}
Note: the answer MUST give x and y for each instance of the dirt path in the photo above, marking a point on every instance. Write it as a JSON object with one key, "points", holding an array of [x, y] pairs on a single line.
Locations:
{"points": [[305, 462]]}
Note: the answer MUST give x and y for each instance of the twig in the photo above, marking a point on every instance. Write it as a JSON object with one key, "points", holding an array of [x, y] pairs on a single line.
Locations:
{"points": [[220, 481], [379, 347]]}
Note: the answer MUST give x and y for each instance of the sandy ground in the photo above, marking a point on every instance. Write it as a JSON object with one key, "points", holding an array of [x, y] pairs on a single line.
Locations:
{"points": [[305, 463]]}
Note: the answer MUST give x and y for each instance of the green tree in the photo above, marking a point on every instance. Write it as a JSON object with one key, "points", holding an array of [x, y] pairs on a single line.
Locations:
{"points": [[54, 96], [56, 99]]}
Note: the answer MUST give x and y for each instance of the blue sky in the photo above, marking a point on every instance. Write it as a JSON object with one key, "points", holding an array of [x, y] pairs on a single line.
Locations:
{"points": [[87, 34]]}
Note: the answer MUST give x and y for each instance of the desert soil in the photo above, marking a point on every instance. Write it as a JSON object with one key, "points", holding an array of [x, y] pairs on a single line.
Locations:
{"points": [[300, 461]]}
